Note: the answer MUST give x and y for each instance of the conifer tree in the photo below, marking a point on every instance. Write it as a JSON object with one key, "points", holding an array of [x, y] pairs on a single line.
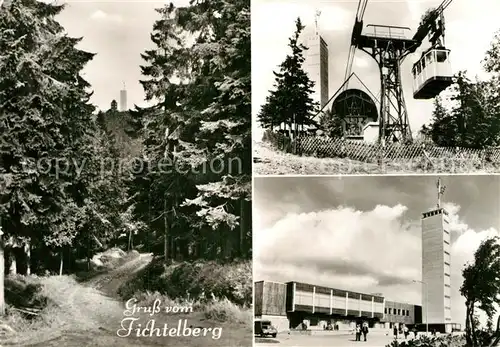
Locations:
{"points": [[290, 102]]}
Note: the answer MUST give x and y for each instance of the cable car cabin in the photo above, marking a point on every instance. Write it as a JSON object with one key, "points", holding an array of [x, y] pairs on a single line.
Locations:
{"points": [[432, 74]]}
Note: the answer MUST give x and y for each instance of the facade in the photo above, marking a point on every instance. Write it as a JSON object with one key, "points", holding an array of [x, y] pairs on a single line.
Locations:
{"points": [[316, 64], [123, 100], [436, 267], [288, 305]]}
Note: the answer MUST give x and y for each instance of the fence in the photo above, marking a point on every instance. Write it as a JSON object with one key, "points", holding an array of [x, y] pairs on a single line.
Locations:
{"points": [[327, 147]]}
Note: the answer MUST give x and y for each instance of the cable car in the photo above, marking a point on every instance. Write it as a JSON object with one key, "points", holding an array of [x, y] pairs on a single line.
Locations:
{"points": [[432, 73]]}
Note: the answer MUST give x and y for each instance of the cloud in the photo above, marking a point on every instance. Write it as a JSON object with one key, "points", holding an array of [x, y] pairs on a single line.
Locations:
{"points": [[368, 251], [100, 15]]}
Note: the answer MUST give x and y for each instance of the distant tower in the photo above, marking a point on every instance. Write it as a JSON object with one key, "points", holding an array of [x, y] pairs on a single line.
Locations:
{"points": [[114, 105], [123, 99], [316, 61], [436, 265]]}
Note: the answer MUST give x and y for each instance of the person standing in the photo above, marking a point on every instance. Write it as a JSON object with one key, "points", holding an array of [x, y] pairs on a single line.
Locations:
{"points": [[406, 332], [395, 332], [365, 330], [358, 332]]}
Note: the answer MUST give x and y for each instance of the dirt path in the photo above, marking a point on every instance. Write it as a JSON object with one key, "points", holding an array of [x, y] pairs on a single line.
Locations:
{"points": [[90, 315]]}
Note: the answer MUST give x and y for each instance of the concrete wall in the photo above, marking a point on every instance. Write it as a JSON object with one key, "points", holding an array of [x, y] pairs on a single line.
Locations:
{"points": [[316, 63], [396, 312], [370, 132], [436, 268]]}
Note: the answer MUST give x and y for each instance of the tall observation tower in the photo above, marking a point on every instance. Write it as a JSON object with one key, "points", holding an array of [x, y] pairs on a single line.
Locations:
{"points": [[436, 266], [316, 60], [123, 99]]}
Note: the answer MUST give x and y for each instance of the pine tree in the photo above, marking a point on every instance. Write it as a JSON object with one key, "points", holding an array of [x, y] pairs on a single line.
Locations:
{"points": [[291, 101], [332, 124], [50, 145], [199, 77], [443, 128]]}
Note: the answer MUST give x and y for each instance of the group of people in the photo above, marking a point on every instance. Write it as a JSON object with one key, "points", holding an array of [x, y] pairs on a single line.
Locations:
{"points": [[361, 330], [403, 330]]}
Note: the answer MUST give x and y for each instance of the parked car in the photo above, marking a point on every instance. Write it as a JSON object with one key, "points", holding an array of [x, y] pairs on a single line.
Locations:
{"points": [[264, 328]]}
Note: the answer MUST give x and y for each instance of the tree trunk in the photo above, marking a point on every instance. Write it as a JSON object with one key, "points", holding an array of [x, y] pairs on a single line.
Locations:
{"points": [[13, 262], [473, 327], [166, 229], [496, 338], [27, 250], [61, 263], [241, 250], [468, 335], [129, 241], [2, 276]]}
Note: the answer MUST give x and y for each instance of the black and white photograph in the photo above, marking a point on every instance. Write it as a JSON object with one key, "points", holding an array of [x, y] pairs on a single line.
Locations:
{"points": [[125, 173], [377, 261], [375, 87]]}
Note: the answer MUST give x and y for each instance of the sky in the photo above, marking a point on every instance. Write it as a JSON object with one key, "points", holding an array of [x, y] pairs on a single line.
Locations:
{"points": [[469, 31], [364, 233], [118, 32]]}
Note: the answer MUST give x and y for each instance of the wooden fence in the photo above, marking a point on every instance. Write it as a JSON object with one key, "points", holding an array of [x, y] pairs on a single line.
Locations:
{"points": [[327, 147]]}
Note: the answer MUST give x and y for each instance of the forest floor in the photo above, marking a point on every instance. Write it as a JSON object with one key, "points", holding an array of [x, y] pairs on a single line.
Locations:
{"points": [[269, 161], [90, 314]]}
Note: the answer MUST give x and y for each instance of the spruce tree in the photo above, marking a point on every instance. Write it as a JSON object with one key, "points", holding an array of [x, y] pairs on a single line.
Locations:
{"points": [[199, 78], [291, 102]]}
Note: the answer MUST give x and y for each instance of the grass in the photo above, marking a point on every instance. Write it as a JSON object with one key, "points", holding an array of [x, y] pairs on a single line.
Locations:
{"points": [[221, 292], [216, 310], [200, 281], [105, 261], [269, 161]]}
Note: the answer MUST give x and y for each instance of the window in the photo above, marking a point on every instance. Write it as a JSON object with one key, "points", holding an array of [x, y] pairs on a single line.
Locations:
{"points": [[447, 253], [441, 56], [446, 231], [447, 297], [446, 242], [446, 263], [399, 312], [389, 310], [447, 285], [447, 274], [385, 310]]}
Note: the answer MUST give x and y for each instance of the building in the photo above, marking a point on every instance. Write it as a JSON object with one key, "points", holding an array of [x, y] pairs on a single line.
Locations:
{"points": [[316, 64], [287, 305], [436, 269], [123, 99]]}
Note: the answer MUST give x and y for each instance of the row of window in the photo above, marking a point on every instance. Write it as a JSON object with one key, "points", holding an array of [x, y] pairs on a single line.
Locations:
{"points": [[397, 312]]}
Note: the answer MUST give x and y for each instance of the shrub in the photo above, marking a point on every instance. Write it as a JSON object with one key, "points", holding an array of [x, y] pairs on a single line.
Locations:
{"points": [[199, 281], [426, 341]]}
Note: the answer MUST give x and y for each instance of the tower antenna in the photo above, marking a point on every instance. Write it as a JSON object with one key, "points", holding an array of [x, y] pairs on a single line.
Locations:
{"points": [[440, 192], [316, 18]]}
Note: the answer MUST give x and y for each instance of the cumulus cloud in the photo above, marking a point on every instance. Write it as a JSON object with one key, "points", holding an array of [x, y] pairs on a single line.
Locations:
{"points": [[370, 251], [100, 15]]}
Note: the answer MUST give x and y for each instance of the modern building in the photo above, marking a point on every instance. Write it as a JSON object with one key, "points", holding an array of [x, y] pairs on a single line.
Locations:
{"points": [[288, 305], [436, 269], [316, 63], [123, 99]]}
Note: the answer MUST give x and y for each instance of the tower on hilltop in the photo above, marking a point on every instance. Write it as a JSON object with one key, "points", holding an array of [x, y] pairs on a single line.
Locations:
{"points": [[123, 99], [436, 266]]}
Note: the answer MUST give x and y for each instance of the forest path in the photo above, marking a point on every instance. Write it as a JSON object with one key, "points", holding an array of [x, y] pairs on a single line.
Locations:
{"points": [[90, 315]]}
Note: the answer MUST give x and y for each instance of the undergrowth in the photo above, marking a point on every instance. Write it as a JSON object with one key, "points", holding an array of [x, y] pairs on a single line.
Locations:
{"points": [[219, 310], [223, 292], [200, 280]]}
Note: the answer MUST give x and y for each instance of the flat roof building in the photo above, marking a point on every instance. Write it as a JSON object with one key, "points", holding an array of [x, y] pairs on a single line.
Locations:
{"points": [[290, 304]]}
